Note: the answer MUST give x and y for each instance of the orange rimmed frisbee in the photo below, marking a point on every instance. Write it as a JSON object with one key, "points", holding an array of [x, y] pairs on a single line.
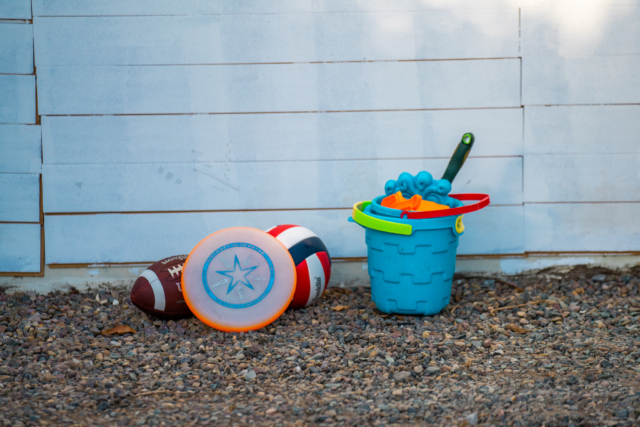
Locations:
{"points": [[238, 279]]}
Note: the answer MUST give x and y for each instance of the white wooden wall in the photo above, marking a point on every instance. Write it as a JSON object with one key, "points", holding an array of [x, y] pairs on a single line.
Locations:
{"points": [[166, 120], [20, 146], [581, 90]]}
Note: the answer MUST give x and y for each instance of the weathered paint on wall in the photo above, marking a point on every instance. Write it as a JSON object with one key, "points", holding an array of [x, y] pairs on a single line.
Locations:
{"points": [[197, 138], [190, 116], [146, 237], [144, 187]]}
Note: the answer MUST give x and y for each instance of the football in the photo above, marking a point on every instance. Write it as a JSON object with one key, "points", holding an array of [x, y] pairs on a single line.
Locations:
{"points": [[158, 291], [312, 260]]}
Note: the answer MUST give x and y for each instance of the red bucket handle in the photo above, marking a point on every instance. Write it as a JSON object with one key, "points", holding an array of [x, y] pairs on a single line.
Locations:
{"points": [[483, 201]]}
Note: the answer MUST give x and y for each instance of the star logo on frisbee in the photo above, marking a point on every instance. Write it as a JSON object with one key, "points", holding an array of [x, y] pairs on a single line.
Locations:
{"points": [[234, 267], [238, 275]]}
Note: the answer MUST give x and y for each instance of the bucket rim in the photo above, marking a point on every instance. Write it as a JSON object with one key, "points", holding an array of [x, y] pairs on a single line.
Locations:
{"points": [[366, 220], [363, 215]]}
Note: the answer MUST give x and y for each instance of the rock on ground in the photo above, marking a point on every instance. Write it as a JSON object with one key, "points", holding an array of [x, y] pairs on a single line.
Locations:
{"points": [[564, 352]]}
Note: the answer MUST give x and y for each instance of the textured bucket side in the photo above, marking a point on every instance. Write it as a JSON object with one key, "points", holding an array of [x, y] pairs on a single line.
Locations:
{"points": [[412, 274]]}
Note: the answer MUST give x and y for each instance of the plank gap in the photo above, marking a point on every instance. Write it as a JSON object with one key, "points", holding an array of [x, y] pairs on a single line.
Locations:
{"points": [[292, 112], [216, 211]]}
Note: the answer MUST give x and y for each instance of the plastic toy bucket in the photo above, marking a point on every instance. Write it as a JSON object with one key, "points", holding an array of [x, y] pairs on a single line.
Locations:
{"points": [[412, 260]]}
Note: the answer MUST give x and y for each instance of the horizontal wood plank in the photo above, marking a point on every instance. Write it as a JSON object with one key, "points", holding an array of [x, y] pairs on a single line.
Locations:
{"points": [[19, 197], [603, 129], [148, 237], [278, 87], [317, 37], [16, 49], [572, 3], [257, 185], [20, 148], [266, 137], [234, 7], [15, 9], [582, 178], [592, 80], [17, 99], [581, 31], [20, 251], [585, 227]]}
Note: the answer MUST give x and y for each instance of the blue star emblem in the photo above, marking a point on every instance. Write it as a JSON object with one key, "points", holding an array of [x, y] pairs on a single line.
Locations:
{"points": [[238, 275]]}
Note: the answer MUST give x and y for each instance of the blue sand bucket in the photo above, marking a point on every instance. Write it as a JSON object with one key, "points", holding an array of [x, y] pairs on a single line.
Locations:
{"points": [[412, 255]]}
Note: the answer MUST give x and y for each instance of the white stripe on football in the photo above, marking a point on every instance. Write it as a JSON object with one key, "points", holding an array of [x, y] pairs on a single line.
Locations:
{"points": [[158, 291]]}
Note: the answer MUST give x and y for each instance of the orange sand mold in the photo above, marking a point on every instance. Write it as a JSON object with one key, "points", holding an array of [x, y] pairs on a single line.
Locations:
{"points": [[397, 201]]}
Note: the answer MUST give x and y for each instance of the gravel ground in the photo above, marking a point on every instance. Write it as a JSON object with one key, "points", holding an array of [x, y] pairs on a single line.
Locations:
{"points": [[573, 359]]}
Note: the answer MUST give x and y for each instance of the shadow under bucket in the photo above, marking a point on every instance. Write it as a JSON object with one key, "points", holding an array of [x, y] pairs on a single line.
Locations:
{"points": [[412, 260]]}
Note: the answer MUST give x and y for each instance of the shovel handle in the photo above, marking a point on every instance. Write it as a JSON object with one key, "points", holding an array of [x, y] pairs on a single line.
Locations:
{"points": [[459, 156]]}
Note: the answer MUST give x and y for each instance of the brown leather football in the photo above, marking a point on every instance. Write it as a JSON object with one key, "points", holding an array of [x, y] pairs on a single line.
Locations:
{"points": [[158, 291]]}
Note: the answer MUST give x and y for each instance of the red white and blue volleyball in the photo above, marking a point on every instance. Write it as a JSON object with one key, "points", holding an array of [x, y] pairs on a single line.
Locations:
{"points": [[312, 260]]}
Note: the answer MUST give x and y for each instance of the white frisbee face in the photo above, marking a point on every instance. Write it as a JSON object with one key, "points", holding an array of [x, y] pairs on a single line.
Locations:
{"points": [[238, 279]]}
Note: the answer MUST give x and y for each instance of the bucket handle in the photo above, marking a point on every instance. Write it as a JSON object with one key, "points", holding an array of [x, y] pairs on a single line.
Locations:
{"points": [[483, 201], [360, 217]]}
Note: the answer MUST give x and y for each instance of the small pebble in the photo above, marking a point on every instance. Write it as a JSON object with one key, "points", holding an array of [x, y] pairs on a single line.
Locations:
{"points": [[433, 369], [472, 418]]}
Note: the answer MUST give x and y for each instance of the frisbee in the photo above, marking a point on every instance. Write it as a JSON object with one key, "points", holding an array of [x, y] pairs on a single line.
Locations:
{"points": [[239, 279]]}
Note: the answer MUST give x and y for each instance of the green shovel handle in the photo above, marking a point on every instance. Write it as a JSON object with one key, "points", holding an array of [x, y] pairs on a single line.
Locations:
{"points": [[459, 157]]}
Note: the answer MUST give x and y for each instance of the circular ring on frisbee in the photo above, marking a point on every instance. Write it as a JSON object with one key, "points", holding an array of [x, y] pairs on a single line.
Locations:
{"points": [[238, 279]]}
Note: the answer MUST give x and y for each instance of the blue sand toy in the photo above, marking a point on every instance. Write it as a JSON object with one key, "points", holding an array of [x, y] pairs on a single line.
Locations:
{"points": [[434, 190]]}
